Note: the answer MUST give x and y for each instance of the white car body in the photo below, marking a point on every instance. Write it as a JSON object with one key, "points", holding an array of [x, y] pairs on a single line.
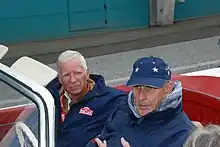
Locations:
{"points": [[41, 97]]}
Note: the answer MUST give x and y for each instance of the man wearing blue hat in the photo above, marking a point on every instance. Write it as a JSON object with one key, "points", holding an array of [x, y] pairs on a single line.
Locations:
{"points": [[152, 116]]}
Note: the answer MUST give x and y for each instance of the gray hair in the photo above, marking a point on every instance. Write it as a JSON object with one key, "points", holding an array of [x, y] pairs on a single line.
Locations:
{"points": [[69, 55], [204, 137]]}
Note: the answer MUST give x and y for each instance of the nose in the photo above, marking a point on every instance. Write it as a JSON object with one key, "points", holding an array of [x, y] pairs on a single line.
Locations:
{"points": [[72, 78], [142, 95]]}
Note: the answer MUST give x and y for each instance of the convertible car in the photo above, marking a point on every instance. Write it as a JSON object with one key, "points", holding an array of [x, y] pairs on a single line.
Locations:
{"points": [[27, 111]]}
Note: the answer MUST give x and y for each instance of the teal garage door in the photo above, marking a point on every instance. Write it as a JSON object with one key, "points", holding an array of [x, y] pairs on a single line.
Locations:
{"points": [[196, 8], [86, 14], [127, 13], [107, 14], [32, 20]]}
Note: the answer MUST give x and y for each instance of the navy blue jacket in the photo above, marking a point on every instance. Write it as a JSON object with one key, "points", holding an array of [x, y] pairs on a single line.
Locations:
{"points": [[78, 128], [169, 128]]}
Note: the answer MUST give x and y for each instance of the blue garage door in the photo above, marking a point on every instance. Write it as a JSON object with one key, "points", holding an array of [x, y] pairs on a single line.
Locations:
{"points": [[86, 14]]}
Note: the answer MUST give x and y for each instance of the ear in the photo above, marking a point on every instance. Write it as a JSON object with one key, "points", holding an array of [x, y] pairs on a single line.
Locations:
{"points": [[58, 71], [59, 79], [87, 74], [169, 87]]}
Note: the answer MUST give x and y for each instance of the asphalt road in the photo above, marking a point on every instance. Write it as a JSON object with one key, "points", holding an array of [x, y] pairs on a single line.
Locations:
{"points": [[182, 57]]}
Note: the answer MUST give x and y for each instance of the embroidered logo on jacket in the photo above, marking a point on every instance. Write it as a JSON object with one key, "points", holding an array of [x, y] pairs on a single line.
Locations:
{"points": [[86, 111]]}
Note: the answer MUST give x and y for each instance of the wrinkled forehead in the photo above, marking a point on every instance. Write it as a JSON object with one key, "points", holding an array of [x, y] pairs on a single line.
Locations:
{"points": [[71, 65], [144, 87], [148, 86]]}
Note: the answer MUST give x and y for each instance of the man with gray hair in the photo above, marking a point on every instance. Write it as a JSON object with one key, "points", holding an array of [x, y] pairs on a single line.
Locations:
{"points": [[83, 101], [208, 136]]}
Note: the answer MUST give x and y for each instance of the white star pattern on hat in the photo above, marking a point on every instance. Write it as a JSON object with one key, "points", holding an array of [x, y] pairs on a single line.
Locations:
{"points": [[137, 69], [155, 69], [168, 68], [168, 72]]}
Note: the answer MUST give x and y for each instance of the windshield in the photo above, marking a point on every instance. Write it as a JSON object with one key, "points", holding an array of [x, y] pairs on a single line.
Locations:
{"points": [[19, 118]]}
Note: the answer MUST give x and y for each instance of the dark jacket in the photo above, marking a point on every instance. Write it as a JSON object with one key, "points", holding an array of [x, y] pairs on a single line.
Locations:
{"points": [[79, 128], [168, 126]]}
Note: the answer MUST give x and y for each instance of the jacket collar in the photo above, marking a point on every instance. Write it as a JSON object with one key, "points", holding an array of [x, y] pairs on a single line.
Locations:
{"points": [[99, 88]]}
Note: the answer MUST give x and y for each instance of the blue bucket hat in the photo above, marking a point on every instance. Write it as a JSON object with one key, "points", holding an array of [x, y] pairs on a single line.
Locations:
{"points": [[150, 71]]}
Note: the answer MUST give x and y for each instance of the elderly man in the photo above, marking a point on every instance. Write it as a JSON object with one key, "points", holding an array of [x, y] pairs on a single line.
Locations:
{"points": [[83, 101], [152, 115], [208, 136]]}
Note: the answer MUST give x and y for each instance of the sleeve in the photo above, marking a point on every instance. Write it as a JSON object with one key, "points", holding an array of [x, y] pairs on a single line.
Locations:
{"points": [[122, 100], [92, 144], [180, 139], [106, 132], [176, 140]]}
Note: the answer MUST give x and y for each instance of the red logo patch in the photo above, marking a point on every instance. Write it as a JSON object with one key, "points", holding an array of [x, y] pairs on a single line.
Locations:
{"points": [[86, 111]]}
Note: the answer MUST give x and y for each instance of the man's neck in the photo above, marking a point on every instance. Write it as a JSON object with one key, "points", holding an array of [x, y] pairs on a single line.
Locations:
{"points": [[74, 98]]}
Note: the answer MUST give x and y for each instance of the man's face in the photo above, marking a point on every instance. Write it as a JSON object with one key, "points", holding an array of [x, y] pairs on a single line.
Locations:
{"points": [[148, 99], [73, 76]]}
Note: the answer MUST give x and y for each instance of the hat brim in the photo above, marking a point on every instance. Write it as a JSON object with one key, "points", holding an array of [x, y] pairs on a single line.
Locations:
{"points": [[152, 82]]}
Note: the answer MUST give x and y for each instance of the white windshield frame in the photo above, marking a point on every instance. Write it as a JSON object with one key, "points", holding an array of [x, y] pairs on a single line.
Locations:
{"points": [[42, 98]]}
